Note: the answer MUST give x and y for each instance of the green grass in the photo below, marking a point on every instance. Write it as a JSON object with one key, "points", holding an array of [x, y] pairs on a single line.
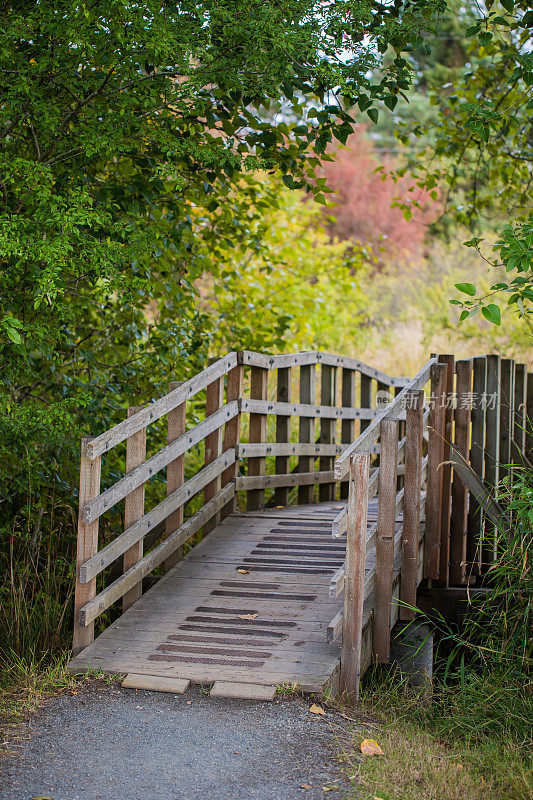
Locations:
{"points": [[25, 684], [469, 743]]}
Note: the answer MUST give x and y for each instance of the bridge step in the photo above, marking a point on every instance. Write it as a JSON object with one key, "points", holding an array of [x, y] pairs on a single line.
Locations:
{"points": [[243, 691], [155, 683]]}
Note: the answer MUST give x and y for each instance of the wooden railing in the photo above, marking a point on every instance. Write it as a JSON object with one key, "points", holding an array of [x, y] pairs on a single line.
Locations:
{"points": [[477, 429], [253, 430], [247, 463]]}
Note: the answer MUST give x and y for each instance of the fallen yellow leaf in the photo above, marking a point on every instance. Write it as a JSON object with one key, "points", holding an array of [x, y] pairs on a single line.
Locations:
{"points": [[243, 571], [317, 710], [369, 747]]}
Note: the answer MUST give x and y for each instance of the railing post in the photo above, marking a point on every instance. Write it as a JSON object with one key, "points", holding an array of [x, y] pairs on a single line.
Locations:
{"points": [[492, 451], [306, 429], [519, 418], [134, 507], [434, 472], [411, 508], [388, 474], [255, 499], [506, 414], [283, 429], [352, 629], [175, 474], [529, 414], [232, 431], [347, 425], [214, 399], [87, 546], [477, 462], [444, 556], [328, 397], [459, 518]]}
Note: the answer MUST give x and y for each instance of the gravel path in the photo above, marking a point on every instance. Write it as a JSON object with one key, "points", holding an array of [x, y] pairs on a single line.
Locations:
{"points": [[110, 743]]}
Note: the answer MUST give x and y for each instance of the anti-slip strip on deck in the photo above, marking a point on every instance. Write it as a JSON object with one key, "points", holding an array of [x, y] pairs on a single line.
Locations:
{"points": [[236, 621], [179, 637], [217, 651], [264, 595], [193, 660], [222, 629]]}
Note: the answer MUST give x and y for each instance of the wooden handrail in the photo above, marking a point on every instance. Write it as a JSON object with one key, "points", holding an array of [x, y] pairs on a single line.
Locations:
{"points": [[147, 523], [250, 358], [95, 508], [106, 441]]}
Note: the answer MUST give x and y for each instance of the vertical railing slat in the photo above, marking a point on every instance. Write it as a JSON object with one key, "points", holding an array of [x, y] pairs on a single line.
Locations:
{"points": [[506, 414], [214, 399], [529, 415], [519, 417], [175, 474], [492, 450], [347, 425], [477, 462], [459, 517], [411, 512], [307, 429], [87, 546], [388, 473], [328, 397], [352, 629], [283, 430], [134, 507], [434, 472], [255, 499], [232, 433], [444, 557]]}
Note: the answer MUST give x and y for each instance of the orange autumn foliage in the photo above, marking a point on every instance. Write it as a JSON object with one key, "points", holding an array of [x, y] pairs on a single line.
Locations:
{"points": [[364, 197]]}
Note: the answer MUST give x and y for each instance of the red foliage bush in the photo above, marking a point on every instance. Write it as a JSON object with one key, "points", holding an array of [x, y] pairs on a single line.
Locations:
{"points": [[364, 199]]}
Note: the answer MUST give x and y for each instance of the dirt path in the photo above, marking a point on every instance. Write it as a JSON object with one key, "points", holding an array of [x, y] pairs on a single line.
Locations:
{"points": [[109, 743]]}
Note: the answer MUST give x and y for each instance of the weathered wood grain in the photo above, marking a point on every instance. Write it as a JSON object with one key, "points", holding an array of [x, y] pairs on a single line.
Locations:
{"points": [[87, 545], [385, 537], [459, 518], [214, 400], [117, 589], [163, 511], [134, 507], [411, 511], [434, 471], [152, 466], [306, 432], [444, 555], [328, 397], [255, 499], [283, 431], [232, 433], [355, 573], [106, 441], [176, 424]]}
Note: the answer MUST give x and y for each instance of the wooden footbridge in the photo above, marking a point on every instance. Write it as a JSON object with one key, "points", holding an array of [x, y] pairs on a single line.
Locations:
{"points": [[284, 539]]}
